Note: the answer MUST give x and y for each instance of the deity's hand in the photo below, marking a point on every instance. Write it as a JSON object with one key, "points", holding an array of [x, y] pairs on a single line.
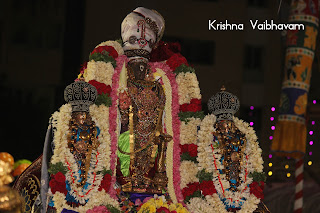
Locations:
{"points": [[162, 138], [80, 146], [95, 143]]}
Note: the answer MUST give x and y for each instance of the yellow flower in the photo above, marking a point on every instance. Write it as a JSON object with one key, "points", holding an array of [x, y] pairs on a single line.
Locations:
{"points": [[152, 209], [172, 207], [165, 205], [159, 203], [85, 74]]}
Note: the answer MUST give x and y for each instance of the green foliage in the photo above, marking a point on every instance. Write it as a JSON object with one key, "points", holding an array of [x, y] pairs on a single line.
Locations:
{"points": [[104, 56], [104, 99], [183, 68], [104, 172], [112, 209], [185, 116], [257, 176], [204, 176], [58, 167], [195, 194], [186, 156]]}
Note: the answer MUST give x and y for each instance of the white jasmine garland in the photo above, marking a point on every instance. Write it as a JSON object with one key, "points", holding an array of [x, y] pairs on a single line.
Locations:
{"points": [[99, 71], [188, 173], [100, 159], [188, 131], [252, 162], [188, 87]]}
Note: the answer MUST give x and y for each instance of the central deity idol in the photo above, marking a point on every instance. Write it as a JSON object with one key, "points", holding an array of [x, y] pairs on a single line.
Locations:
{"points": [[142, 143]]}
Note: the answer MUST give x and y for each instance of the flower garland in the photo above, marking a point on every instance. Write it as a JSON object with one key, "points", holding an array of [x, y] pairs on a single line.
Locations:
{"points": [[209, 161], [188, 87], [99, 161], [99, 71], [113, 44], [160, 204], [172, 124]]}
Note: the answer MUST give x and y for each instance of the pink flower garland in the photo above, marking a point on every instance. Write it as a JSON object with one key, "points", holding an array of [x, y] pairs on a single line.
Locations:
{"points": [[113, 116], [175, 124]]}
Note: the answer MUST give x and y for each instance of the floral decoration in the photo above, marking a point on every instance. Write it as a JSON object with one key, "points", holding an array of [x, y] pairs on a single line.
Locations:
{"points": [[193, 106], [58, 183], [164, 51], [160, 205], [215, 196], [176, 60], [105, 50], [101, 87], [100, 162]]}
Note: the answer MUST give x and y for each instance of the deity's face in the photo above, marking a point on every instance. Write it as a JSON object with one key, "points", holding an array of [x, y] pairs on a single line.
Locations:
{"points": [[80, 117], [226, 126], [138, 36]]}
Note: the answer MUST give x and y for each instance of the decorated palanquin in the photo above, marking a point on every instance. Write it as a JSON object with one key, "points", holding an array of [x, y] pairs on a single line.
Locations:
{"points": [[230, 174]]}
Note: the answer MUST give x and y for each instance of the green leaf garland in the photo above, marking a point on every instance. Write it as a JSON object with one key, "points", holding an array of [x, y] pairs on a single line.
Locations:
{"points": [[185, 116], [104, 56], [104, 99]]}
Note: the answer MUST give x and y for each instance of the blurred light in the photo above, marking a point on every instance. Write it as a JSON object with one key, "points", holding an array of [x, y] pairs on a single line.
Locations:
{"points": [[273, 127], [310, 163], [310, 153], [252, 107], [311, 143], [286, 166], [273, 109], [313, 122], [270, 173], [311, 132], [288, 158], [314, 101], [271, 118], [271, 137], [251, 123], [270, 164], [288, 174], [270, 156]]}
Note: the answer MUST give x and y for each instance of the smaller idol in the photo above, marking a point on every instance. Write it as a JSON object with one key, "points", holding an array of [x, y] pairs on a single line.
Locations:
{"points": [[230, 159], [76, 175]]}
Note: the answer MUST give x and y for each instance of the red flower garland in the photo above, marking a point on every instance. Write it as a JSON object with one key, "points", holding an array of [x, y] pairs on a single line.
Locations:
{"points": [[163, 210], [193, 106], [192, 149], [101, 87], [176, 60], [207, 187], [190, 189], [58, 183], [105, 183], [257, 189], [106, 49], [164, 51]]}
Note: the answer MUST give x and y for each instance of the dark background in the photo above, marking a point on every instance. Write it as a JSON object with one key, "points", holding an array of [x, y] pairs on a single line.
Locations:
{"points": [[44, 42]]}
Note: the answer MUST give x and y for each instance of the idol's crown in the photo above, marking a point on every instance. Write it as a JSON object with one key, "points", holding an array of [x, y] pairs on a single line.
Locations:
{"points": [[224, 105], [80, 95]]}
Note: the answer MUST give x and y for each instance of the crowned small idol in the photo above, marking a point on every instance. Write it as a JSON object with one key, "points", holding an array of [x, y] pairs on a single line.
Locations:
{"points": [[230, 157]]}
